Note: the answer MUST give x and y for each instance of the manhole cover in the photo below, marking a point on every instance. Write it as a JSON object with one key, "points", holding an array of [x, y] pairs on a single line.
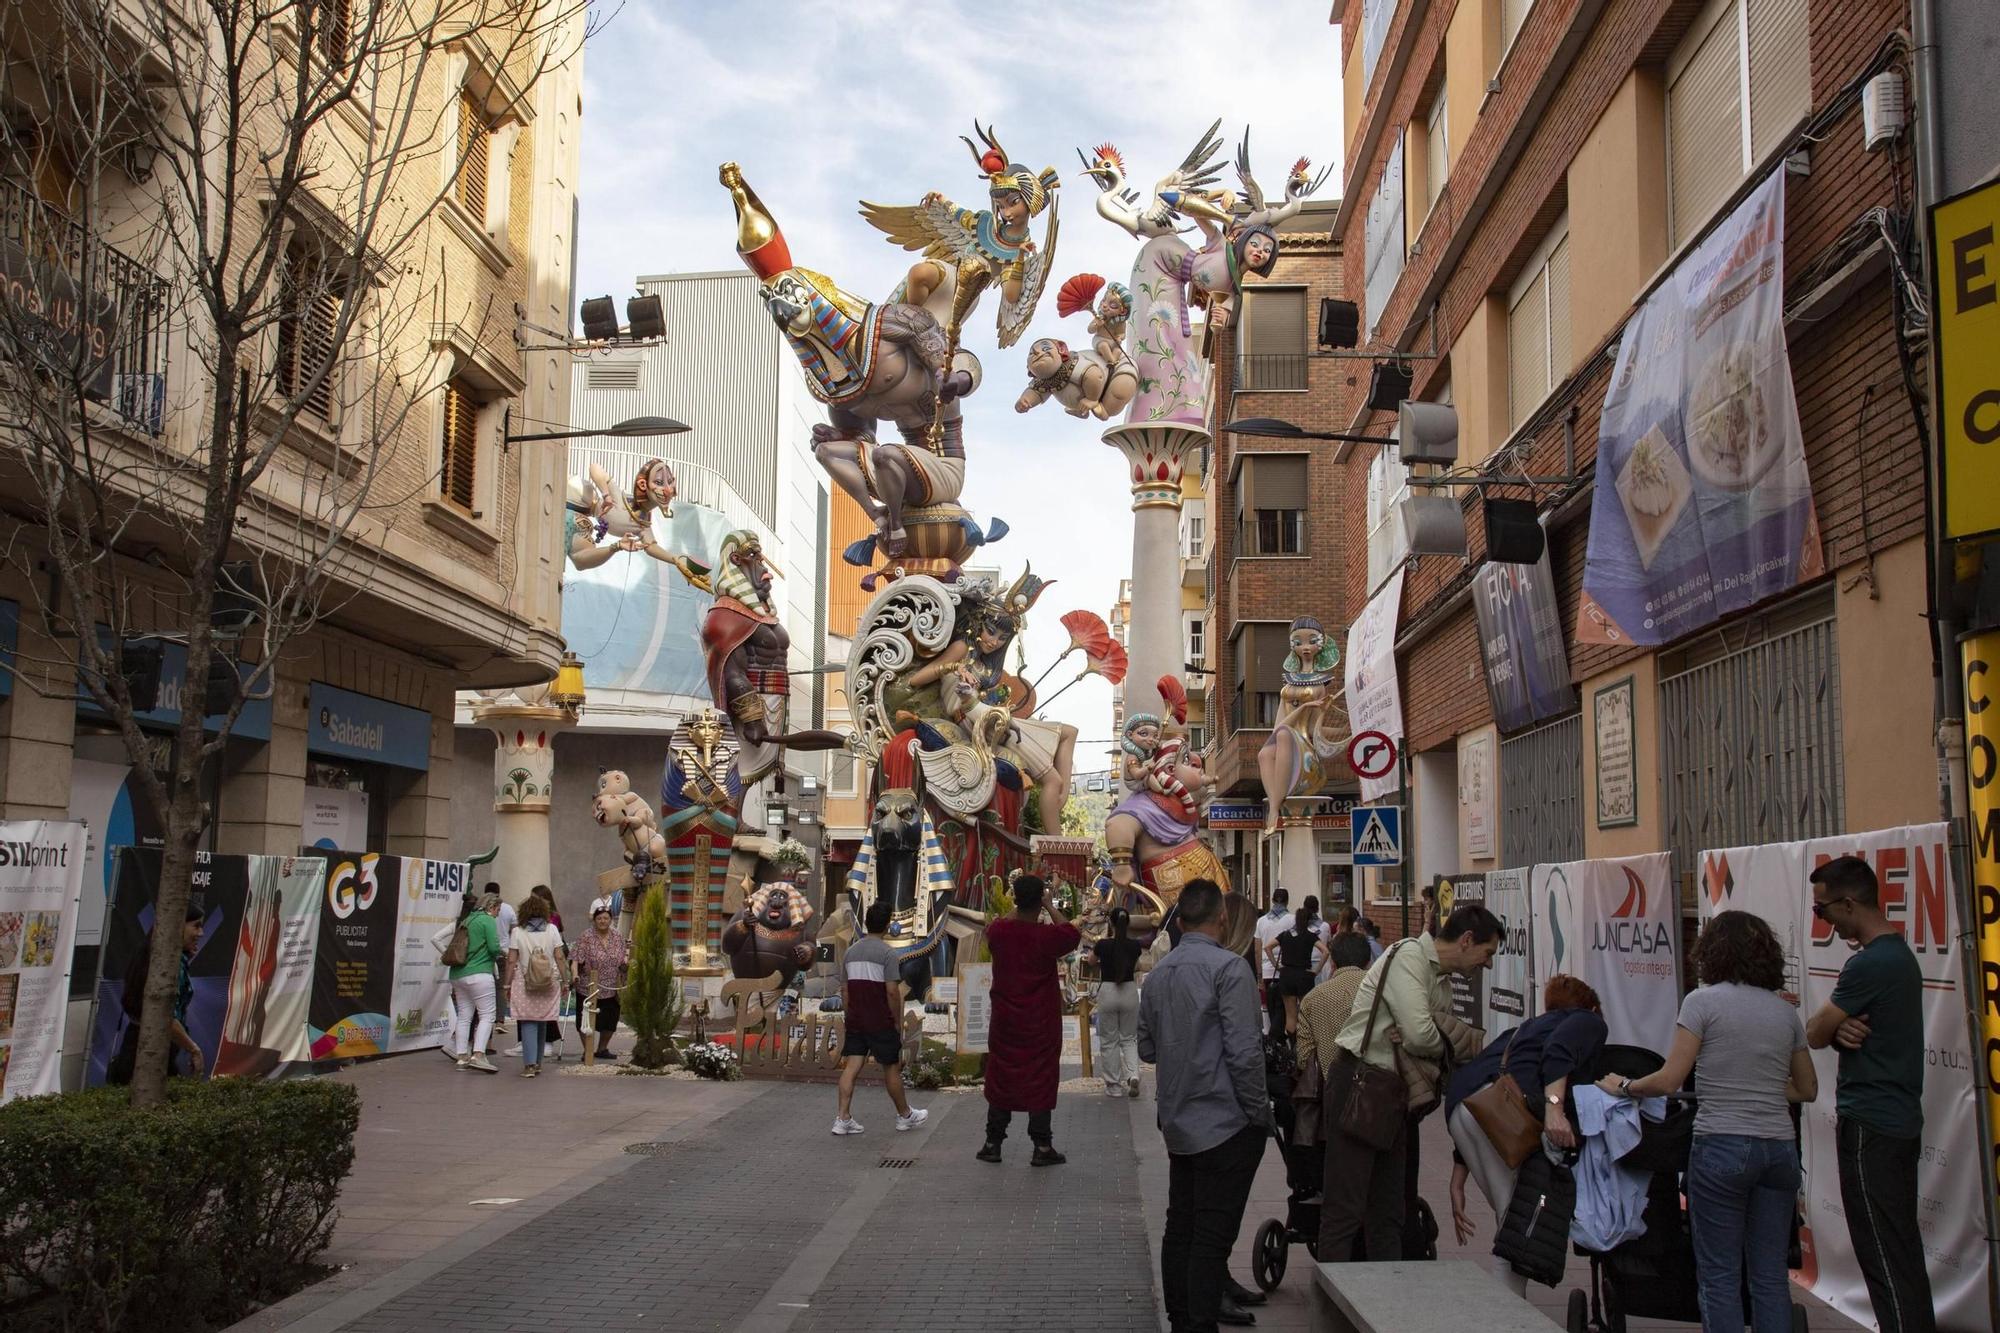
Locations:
{"points": [[649, 1149], [897, 1163]]}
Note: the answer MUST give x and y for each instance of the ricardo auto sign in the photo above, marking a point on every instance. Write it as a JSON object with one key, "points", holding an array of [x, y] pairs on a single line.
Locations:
{"points": [[1965, 304]]}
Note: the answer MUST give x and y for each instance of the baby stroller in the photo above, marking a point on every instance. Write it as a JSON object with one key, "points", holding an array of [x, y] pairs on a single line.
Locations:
{"points": [[1305, 1172], [1652, 1276]]}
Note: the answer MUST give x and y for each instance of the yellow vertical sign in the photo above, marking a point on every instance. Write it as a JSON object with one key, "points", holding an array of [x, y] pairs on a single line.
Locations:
{"points": [[1965, 319], [1982, 764]]}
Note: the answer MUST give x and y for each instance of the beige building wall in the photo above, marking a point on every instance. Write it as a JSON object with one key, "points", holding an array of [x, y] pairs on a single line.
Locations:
{"points": [[1471, 53], [1885, 709], [1619, 241], [1650, 833], [1479, 381]]}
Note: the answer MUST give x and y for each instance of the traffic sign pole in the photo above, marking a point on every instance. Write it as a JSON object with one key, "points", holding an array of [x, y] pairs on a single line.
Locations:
{"points": [[1409, 829]]}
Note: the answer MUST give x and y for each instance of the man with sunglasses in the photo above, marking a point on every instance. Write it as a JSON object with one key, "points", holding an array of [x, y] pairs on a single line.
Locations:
{"points": [[1876, 1021]]}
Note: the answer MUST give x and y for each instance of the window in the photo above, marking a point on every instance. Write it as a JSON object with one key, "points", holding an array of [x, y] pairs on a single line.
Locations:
{"points": [[1437, 146], [1272, 347], [1194, 534], [1388, 544], [1260, 666], [1197, 737], [1738, 54], [475, 141], [1271, 504], [1196, 637], [1385, 240], [1376, 17], [1513, 13], [842, 772], [461, 444], [1538, 350], [334, 17], [309, 317]]}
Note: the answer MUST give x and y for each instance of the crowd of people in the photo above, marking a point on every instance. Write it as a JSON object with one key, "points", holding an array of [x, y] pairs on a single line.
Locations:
{"points": [[514, 963]]}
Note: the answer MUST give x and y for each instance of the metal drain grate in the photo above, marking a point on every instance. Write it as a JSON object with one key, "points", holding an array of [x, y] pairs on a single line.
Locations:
{"points": [[897, 1163], [650, 1149]]}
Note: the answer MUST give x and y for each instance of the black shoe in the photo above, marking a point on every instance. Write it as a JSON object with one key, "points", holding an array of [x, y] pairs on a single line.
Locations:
{"points": [[1232, 1313], [1232, 1290], [1046, 1155], [991, 1152]]}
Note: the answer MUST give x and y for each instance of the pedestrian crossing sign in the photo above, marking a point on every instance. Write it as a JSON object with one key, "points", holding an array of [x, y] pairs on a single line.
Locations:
{"points": [[1378, 835]]}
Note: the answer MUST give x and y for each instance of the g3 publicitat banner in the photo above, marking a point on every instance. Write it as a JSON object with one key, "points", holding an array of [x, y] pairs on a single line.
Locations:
{"points": [[1703, 505], [1913, 868], [377, 984]]}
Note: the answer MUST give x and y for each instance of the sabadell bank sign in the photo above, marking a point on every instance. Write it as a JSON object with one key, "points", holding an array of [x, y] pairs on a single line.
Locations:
{"points": [[346, 725]]}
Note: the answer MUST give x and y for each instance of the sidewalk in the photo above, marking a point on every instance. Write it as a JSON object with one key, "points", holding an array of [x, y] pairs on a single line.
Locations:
{"points": [[617, 1202]]}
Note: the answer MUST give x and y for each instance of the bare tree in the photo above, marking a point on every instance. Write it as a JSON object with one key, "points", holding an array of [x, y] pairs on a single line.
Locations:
{"points": [[216, 217]]}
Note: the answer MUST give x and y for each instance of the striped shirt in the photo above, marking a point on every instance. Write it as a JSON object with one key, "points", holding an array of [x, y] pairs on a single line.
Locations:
{"points": [[870, 966]]}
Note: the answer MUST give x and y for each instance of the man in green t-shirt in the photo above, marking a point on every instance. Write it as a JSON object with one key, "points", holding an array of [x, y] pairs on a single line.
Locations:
{"points": [[1876, 1020]]}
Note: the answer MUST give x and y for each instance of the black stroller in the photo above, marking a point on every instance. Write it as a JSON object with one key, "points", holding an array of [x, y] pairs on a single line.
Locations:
{"points": [[1652, 1276], [1305, 1172]]}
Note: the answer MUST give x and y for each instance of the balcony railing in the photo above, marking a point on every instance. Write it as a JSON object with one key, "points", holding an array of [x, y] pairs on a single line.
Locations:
{"points": [[80, 311], [1264, 372]]}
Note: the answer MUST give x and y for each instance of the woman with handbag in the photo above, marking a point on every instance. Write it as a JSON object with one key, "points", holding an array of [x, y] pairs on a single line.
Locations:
{"points": [[1743, 1170], [1499, 1106], [1298, 952], [600, 958], [1367, 1095]]}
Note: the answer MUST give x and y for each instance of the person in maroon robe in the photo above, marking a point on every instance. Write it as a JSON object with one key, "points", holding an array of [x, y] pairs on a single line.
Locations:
{"points": [[1024, 1046]]}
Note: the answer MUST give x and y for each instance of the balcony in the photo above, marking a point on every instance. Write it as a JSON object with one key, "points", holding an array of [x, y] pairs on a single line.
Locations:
{"points": [[1265, 373], [80, 311]]}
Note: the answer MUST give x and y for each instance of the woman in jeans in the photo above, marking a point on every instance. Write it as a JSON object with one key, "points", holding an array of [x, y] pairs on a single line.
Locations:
{"points": [[1118, 1006], [472, 994], [535, 1006], [1743, 1171], [1541, 1055], [600, 966]]}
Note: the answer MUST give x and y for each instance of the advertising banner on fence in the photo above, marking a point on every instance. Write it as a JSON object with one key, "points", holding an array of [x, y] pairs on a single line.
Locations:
{"points": [[1468, 993], [354, 969], [270, 984], [1374, 699], [1703, 505], [1512, 997], [1615, 924], [221, 885], [41, 879], [1913, 866], [420, 1007]]}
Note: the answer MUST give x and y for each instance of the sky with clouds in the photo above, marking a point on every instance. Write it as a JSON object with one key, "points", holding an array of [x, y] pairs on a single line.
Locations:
{"points": [[825, 104]]}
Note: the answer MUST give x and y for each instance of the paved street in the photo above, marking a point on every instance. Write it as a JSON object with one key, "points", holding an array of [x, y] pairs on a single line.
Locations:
{"points": [[738, 1211]]}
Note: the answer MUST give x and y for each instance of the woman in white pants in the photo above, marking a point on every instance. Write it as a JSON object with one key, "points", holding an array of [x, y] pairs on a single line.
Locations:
{"points": [[1118, 1006], [1542, 1055], [472, 993]]}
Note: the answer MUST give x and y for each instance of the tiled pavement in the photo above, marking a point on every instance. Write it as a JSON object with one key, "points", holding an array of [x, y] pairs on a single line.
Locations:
{"points": [[748, 1215]]}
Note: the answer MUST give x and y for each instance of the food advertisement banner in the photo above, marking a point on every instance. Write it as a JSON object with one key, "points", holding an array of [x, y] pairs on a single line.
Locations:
{"points": [[1703, 505], [41, 879], [1912, 868]]}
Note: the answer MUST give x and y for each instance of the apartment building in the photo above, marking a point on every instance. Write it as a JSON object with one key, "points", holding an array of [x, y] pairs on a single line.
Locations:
{"points": [[1522, 178], [1277, 538]]}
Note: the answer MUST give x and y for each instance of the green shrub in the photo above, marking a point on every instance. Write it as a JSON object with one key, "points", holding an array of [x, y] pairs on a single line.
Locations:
{"points": [[167, 1217], [651, 1001]]}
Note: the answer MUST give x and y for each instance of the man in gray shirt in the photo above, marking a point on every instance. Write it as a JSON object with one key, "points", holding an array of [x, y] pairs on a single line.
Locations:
{"points": [[1198, 1022]]}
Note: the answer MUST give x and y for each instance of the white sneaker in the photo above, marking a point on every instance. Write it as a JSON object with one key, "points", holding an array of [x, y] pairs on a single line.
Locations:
{"points": [[1114, 1089], [481, 1064], [847, 1125], [512, 1050], [913, 1119]]}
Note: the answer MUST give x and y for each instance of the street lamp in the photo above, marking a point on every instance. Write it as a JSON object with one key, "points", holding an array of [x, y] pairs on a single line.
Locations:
{"points": [[632, 428]]}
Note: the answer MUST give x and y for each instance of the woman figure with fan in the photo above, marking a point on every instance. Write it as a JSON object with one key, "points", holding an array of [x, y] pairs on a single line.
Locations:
{"points": [[1295, 759]]}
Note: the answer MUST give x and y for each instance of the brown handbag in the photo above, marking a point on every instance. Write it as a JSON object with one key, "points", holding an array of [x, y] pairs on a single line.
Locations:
{"points": [[1502, 1112], [1378, 1100]]}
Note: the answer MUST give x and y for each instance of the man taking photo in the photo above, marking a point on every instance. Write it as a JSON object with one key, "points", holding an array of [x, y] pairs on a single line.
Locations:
{"points": [[1876, 1021]]}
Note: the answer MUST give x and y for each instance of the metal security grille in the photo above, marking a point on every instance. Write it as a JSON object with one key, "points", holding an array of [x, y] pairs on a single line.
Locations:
{"points": [[1752, 746], [1541, 794]]}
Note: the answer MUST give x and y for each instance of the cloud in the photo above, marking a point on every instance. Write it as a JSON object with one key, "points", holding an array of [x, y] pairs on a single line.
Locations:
{"points": [[827, 104]]}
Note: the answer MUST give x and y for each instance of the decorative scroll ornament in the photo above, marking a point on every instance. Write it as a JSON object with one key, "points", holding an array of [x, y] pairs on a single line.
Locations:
{"points": [[909, 621]]}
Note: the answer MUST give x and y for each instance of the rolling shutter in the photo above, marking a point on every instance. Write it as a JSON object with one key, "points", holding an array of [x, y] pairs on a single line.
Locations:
{"points": [[1780, 71], [1281, 481], [1558, 287], [1528, 350], [1704, 127], [309, 315], [461, 445], [474, 136]]}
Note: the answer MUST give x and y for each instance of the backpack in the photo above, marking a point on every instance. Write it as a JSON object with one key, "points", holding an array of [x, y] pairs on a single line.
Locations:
{"points": [[538, 972]]}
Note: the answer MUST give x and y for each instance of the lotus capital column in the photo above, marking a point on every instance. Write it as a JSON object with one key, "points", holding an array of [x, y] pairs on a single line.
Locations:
{"points": [[524, 726], [1156, 454]]}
